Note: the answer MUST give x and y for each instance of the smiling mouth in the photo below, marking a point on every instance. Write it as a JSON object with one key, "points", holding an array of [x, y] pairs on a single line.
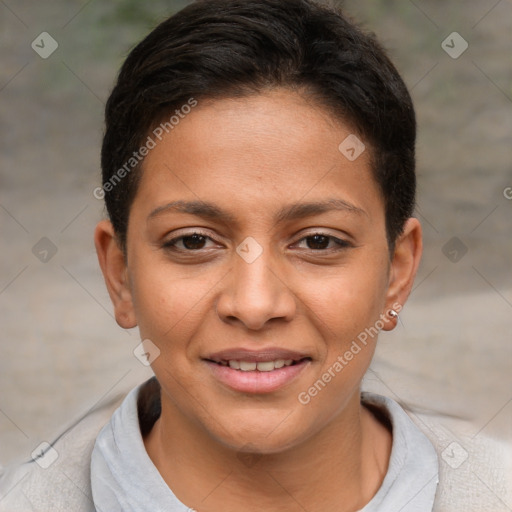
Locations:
{"points": [[263, 371], [258, 366]]}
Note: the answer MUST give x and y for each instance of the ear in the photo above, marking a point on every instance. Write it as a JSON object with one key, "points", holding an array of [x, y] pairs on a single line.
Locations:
{"points": [[403, 268], [115, 272]]}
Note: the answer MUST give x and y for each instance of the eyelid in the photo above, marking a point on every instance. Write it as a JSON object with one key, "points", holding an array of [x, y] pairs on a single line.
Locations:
{"points": [[191, 231], [342, 236]]}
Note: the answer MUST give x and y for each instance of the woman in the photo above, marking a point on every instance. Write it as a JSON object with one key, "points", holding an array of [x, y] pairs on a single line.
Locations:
{"points": [[258, 171]]}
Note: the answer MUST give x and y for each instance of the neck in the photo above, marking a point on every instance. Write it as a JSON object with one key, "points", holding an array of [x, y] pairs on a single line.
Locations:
{"points": [[338, 469]]}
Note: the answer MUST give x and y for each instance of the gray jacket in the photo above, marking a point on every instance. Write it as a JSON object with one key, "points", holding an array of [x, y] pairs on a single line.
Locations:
{"points": [[475, 472]]}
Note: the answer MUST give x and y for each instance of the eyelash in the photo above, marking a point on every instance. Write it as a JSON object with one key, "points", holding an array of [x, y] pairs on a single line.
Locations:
{"points": [[342, 244]]}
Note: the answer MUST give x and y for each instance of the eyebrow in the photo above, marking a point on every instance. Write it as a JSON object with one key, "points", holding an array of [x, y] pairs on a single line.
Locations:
{"points": [[290, 212]]}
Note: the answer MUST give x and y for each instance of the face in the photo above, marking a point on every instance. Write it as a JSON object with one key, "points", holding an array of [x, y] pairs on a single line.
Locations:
{"points": [[256, 256]]}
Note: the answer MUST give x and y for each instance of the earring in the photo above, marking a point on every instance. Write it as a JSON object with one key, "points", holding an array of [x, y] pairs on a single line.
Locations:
{"points": [[394, 315]]}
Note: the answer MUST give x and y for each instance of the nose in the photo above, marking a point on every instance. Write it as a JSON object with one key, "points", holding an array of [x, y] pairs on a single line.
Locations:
{"points": [[254, 293]]}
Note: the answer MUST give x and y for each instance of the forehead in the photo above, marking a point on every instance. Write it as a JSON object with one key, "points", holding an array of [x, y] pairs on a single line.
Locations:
{"points": [[253, 155]]}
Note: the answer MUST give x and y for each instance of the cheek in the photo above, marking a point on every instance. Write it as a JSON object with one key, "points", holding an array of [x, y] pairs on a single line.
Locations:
{"points": [[345, 311], [347, 299], [346, 306], [167, 305], [170, 312]]}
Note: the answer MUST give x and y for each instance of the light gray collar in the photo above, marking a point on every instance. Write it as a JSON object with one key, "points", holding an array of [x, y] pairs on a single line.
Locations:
{"points": [[124, 479], [411, 481]]}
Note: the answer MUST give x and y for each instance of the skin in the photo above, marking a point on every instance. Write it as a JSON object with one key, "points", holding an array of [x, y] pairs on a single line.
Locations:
{"points": [[223, 450]]}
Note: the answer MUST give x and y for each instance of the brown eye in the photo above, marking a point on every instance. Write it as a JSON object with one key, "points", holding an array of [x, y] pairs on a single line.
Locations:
{"points": [[194, 241], [318, 241], [190, 242], [323, 242]]}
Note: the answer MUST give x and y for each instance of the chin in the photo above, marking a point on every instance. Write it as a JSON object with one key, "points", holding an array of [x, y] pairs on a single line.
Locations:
{"points": [[257, 435]]}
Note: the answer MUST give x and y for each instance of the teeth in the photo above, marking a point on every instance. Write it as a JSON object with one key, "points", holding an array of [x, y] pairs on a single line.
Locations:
{"points": [[266, 366], [262, 366], [247, 366]]}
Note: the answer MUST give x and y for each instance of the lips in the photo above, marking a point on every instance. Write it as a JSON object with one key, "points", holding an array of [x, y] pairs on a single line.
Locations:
{"points": [[260, 371]]}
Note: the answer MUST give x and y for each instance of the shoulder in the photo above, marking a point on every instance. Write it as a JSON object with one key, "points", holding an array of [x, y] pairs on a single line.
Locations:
{"points": [[58, 479], [474, 469]]}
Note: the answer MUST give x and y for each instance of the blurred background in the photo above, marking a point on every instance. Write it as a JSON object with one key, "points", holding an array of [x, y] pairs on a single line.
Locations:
{"points": [[450, 358]]}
